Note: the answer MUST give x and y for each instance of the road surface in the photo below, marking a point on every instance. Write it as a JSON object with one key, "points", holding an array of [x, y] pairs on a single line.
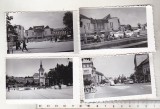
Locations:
{"points": [[46, 47], [66, 93], [120, 90], [133, 42]]}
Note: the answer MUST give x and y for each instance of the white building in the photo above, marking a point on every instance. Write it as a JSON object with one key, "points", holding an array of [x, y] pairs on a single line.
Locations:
{"points": [[41, 75], [106, 24]]}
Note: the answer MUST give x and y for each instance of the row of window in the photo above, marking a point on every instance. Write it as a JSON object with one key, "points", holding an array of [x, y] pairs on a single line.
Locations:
{"points": [[97, 25], [87, 65]]}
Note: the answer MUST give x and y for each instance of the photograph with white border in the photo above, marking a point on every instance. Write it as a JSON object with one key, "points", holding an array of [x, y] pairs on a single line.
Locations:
{"points": [[39, 32], [121, 77], [114, 29], [47, 78]]}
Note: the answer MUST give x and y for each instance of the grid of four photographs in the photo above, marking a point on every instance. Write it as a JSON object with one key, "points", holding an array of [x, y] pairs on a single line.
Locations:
{"points": [[113, 62]]}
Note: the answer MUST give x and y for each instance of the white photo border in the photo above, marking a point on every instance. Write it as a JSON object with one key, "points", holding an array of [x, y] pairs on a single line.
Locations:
{"points": [[132, 97], [76, 89], [150, 35]]}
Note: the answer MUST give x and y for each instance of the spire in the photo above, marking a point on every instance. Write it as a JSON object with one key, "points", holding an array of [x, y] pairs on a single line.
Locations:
{"points": [[135, 62]]}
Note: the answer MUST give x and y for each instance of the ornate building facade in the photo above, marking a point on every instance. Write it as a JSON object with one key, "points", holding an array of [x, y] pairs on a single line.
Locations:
{"points": [[106, 24], [41, 32], [41, 75]]}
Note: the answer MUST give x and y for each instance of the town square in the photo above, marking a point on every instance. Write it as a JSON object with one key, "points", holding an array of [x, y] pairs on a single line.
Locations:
{"points": [[104, 28], [39, 32], [102, 78], [39, 79]]}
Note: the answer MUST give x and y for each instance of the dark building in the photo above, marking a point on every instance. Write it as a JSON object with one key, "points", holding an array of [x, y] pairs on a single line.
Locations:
{"points": [[142, 71]]}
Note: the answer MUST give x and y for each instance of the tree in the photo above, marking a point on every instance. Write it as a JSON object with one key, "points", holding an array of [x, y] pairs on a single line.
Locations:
{"points": [[129, 27], [68, 21], [61, 74], [132, 77]]}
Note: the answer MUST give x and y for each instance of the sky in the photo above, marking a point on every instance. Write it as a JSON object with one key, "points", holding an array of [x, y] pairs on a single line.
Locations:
{"points": [[30, 19], [131, 16], [27, 67], [114, 66]]}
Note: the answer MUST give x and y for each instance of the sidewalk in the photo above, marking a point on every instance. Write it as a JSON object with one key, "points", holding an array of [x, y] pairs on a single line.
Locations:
{"points": [[46, 47]]}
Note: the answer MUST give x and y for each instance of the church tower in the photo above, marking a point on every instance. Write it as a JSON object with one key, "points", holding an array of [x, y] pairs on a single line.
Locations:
{"points": [[41, 75]]}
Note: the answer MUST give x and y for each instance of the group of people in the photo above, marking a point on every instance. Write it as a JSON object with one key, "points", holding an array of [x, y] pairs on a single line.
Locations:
{"points": [[90, 88], [99, 38], [96, 38], [24, 45]]}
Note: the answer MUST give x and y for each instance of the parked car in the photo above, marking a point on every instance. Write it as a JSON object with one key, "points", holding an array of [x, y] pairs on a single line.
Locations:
{"points": [[111, 82], [129, 33], [118, 34], [129, 81]]}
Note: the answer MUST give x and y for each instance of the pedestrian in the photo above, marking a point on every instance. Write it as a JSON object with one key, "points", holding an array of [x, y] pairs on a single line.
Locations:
{"points": [[85, 38], [55, 38], [24, 46], [19, 45], [16, 45], [8, 88], [102, 37], [95, 37], [59, 85]]}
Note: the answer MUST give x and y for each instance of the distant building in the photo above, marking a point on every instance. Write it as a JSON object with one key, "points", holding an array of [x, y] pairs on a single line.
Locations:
{"points": [[29, 79], [36, 78], [41, 32], [106, 24]]}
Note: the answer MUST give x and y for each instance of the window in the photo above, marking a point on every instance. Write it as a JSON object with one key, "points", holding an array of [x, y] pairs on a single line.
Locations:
{"points": [[111, 24]]}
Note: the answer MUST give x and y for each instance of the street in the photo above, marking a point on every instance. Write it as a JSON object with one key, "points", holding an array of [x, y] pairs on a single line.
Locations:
{"points": [[46, 47], [66, 93], [133, 42], [120, 90]]}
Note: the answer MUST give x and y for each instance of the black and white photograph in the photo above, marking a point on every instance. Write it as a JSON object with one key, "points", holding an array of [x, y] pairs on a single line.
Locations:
{"points": [[113, 28], [116, 76], [39, 32], [46, 78]]}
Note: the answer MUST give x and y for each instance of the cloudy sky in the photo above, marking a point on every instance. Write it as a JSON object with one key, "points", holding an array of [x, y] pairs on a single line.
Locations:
{"points": [[114, 66], [131, 16], [30, 19], [27, 67]]}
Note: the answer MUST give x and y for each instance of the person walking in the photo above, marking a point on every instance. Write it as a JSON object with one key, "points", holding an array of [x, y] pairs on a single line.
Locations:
{"points": [[95, 37], [19, 45], [24, 46]]}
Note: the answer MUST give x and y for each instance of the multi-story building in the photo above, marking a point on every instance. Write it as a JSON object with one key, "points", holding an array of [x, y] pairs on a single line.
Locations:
{"points": [[90, 73], [106, 24], [41, 32], [142, 70]]}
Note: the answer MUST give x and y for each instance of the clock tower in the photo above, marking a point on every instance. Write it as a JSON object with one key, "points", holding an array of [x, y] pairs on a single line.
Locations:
{"points": [[41, 75]]}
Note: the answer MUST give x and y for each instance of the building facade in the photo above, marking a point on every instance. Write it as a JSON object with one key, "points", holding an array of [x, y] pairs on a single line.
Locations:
{"points": [[142, 70], [90, 73], [41, 32], [41, 75], [20, 31], [106, 24]]}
